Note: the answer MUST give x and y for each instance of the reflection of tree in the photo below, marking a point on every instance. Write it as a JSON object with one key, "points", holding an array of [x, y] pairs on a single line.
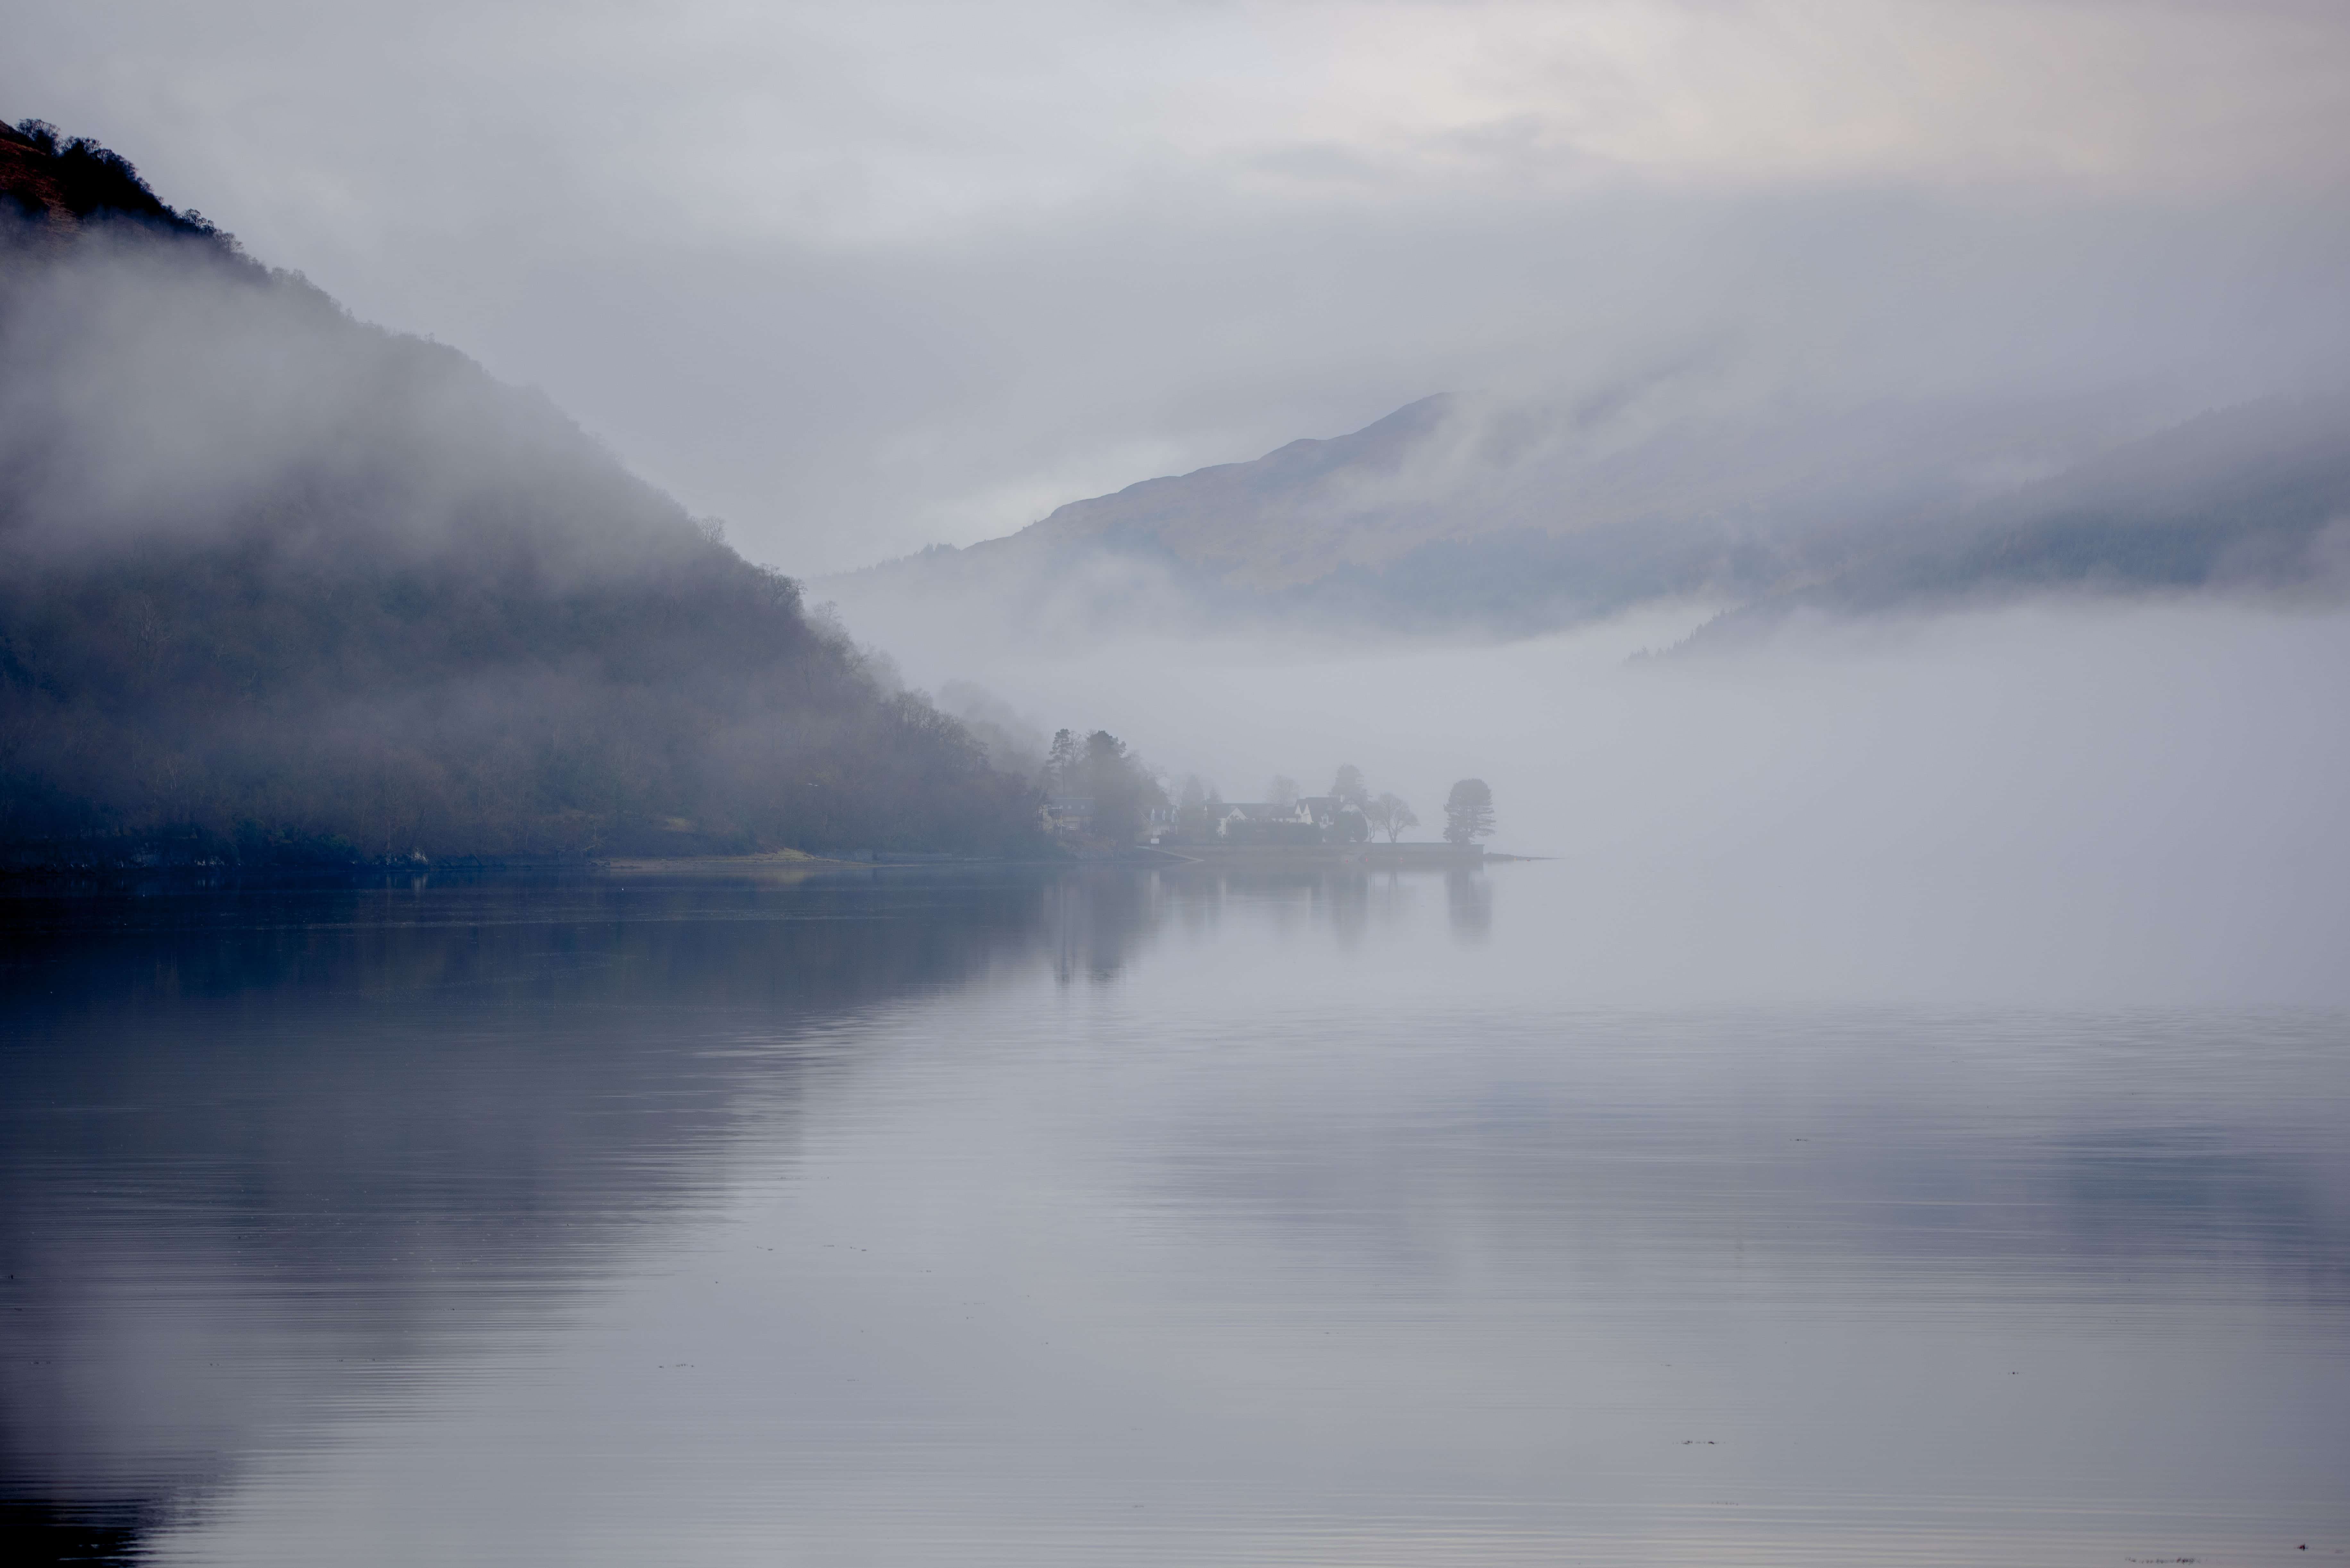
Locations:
{"points": [[1470, 898], [1347, 900], [1347, 904], [1097, 917], [353, 1111], [36, 1534], [381, 1121]]}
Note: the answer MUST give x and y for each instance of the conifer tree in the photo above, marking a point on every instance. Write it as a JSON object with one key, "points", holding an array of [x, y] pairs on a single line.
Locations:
{"points": [[1468, 813]]}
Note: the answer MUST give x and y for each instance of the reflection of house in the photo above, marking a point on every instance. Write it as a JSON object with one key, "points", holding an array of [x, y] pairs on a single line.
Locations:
{"points": [[1067, 816]]}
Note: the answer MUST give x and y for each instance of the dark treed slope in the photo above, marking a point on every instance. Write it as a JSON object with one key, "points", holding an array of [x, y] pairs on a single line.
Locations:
{"points": [[1436, 520], [2253, 499], [275, 582], [2256, 496]]}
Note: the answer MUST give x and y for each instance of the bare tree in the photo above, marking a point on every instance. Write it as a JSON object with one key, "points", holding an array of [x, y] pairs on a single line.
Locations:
{"points": [[1282, 791], [1390, 815]]}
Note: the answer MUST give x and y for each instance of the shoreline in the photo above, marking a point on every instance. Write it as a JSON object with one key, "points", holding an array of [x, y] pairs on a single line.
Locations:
{"points": [[1389, 855], [780, 865]]}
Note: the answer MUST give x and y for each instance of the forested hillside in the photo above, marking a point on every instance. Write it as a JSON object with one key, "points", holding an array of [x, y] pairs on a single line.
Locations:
{"points": [[277, 584]]}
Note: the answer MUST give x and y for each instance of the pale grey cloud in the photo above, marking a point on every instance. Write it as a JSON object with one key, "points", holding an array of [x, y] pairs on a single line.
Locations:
{"points": [[858, 278]]}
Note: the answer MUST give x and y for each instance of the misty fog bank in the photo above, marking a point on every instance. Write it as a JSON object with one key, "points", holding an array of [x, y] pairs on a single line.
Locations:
{"points": [[1494, 515], [275, 582], [862, 278], [2052, 801]]}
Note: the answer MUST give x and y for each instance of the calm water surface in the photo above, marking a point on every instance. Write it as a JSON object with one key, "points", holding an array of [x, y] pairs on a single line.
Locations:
{"points": [[1128, 1217]]}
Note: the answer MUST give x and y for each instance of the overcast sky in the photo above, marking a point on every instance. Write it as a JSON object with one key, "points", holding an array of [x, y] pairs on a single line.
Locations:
{"points": [[859, 276]]}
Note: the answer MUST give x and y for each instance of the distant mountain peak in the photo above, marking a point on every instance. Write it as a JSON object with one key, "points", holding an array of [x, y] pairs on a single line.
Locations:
{"points": [[1428, 519], [1222, 518]]}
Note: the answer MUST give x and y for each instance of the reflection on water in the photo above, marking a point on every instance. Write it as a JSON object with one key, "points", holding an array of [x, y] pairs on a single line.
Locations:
{"points": [[1471, 899], [1175, 1217]]}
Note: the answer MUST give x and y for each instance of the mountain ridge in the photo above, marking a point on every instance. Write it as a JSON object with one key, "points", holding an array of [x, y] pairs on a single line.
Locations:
{"points": [[1406, 527]]}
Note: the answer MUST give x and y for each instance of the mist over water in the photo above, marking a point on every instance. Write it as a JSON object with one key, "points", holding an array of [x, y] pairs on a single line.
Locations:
{"points": [[2058, 800], [1170, 1216]]}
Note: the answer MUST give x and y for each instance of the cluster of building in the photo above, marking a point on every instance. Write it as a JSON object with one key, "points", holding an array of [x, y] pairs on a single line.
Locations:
{"points": [[1310, 819]]}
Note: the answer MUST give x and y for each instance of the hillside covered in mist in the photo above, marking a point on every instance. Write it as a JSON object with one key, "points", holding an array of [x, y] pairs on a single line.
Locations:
{"points": [[277, 584], [1450, 516]]}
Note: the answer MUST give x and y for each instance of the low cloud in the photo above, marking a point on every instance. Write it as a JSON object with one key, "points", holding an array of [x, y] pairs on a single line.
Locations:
{"points": [[862, 280]]}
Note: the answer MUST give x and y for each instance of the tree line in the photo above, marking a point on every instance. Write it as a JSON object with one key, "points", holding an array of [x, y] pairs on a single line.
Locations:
{"points": [[1120, 799]]}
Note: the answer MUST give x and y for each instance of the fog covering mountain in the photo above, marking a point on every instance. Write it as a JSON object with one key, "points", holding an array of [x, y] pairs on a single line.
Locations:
{"points": [[273, 583], [1488, 516]]}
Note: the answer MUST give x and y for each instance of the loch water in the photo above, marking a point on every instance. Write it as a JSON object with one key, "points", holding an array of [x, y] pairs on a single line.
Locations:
{"points": [[1179, 1215]]}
